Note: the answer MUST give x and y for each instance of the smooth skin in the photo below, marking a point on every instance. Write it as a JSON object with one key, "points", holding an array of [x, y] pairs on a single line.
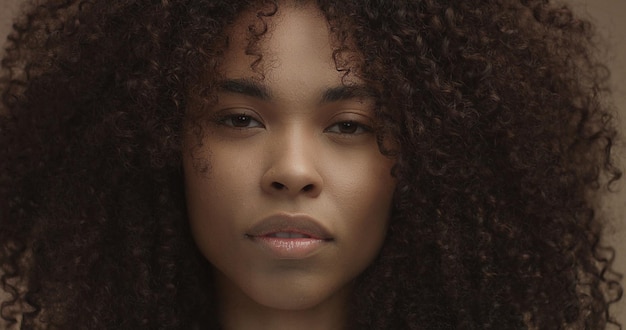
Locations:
{"points": [[295, 141]]}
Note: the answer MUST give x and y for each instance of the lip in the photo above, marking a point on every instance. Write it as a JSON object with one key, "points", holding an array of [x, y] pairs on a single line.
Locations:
{"points": [[289, 236]]}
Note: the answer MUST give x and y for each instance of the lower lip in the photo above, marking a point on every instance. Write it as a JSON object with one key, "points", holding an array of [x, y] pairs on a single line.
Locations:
{"points": [[290, 248]]}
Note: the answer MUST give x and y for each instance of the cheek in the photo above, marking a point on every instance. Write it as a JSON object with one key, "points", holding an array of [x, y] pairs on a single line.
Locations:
{"points": [[210, 197], [367, 186], [220, 180], [374, 205], [365, 196]]}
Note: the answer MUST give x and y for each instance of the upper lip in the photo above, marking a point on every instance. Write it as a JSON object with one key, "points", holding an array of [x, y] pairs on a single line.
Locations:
{"points": [[289, 223]]}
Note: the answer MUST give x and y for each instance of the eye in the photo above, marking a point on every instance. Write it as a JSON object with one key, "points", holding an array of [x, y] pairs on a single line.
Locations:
{"points": [[348, 127], [239, 121]]}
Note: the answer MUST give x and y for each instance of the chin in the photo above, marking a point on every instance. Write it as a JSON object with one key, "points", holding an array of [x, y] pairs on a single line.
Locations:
{"points": [[301, 293]]}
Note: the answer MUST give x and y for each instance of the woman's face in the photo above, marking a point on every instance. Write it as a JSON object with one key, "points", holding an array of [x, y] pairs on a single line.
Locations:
{"points": [[288, 194]]}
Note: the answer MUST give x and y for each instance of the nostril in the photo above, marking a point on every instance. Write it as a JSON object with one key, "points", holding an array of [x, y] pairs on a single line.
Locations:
{"points": [[278, 186], [307, 188]]}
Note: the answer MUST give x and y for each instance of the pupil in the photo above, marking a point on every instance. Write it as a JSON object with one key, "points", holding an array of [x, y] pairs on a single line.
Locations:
{"points": [[348, 127], [241, 121]]}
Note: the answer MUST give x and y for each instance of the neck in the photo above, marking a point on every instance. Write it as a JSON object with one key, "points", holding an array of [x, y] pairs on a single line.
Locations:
{"points": [[238, 312]]}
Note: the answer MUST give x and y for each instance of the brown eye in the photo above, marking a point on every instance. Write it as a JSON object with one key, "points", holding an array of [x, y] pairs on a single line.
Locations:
{"points": [[240, 121], [348, 127]]}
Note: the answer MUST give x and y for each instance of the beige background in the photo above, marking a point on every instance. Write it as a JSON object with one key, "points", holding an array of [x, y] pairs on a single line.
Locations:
{"points": [[610, 19]]}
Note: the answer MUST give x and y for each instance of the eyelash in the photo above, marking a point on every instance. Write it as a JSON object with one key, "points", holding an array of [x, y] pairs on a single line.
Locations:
{"points": [[247, 119], [353, 127]]}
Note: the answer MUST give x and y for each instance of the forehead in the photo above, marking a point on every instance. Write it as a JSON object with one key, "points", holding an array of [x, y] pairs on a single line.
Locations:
{"points": [[255, 36], [292, 51]]}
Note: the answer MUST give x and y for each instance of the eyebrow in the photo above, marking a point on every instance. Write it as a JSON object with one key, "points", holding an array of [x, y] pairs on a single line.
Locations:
{"points": [[341, 93], [246, 87], [254, 89]]}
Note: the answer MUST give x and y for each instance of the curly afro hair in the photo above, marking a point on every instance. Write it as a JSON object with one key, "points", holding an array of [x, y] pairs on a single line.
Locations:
{"points": [[503, 146]]}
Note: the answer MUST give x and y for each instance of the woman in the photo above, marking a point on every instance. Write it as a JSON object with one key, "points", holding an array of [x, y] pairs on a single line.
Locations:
{"points": [[301, 164]]}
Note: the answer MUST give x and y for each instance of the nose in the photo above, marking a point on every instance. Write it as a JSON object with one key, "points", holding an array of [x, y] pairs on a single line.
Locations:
{"points": [[292, 169]]}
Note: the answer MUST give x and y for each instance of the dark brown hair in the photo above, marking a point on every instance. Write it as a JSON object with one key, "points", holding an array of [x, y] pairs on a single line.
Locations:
{"points": [[496, 109]]}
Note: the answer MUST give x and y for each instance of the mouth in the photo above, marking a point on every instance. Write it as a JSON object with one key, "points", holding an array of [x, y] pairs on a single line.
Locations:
{"points": [[286, 226], [286, 236]]}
